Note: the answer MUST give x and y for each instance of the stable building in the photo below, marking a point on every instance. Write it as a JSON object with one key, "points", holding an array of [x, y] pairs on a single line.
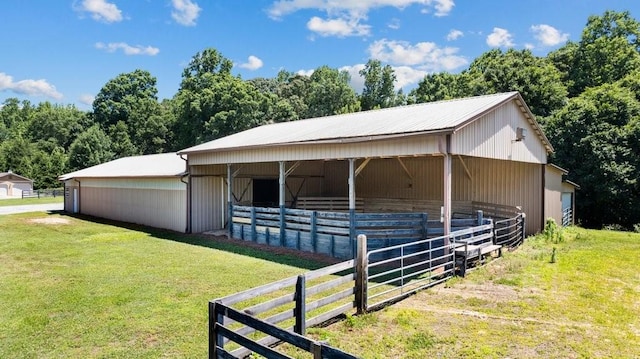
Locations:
{"points": [[446, 159], [149, 190], [12, 184]]}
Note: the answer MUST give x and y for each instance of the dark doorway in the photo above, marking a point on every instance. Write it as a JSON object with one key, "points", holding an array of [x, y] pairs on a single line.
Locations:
{"points": [[265, 193]]}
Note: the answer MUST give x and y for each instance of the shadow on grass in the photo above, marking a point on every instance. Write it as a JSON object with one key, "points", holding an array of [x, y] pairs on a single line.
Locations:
{"points": [[280, 255]]}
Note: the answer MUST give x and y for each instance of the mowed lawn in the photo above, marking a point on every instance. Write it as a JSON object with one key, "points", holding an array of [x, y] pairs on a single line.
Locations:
{"points": [[72, 288], [585, 305]]}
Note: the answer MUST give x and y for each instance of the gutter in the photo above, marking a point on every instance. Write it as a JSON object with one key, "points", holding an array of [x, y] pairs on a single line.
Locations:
{"points": [[188, 184]]}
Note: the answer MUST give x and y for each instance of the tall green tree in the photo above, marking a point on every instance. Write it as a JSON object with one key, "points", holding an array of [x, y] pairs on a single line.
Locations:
{"points": [[212, 103], [379, 84], [330, 93], [90, 148]]}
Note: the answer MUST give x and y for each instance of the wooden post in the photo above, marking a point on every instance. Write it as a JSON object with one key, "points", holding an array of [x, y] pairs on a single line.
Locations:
{"points": [[314, 230], [361, 275], [215, 340], [254, 230], [300, 310], [524, 225], [281, 200]]}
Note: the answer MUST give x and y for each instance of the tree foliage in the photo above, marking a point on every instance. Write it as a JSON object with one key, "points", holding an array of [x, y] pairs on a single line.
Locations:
{"points": [[379, 83]]}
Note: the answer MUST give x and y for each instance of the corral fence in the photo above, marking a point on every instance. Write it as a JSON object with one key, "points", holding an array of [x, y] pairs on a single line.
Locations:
{"points": [[42, 193], [567, 217], [256, 320]]}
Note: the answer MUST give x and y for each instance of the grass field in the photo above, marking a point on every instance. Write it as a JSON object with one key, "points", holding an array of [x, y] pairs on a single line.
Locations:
{"points": [[586, 304], [25, 201], [70, 288]]}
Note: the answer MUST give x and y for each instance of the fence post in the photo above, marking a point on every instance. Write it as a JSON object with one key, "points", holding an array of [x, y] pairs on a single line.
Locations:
{"points": [[254, 233], [479, 217], [361, 274], [425, 221], [524, 222], [314, 230], [300, 310], [215, 340]]}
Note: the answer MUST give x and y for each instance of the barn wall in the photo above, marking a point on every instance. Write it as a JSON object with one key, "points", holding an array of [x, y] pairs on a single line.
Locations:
{"points": [[69, 186], [494, 134], [208, 203], [501, 182], [155, 202], [407, 146], [553, 194]]}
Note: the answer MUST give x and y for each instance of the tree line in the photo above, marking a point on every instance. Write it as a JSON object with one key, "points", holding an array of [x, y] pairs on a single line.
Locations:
{"points": [[586, 96]]}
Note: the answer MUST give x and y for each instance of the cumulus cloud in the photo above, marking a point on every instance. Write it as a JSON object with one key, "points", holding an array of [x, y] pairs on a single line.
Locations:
{"points": [[500, 38], [405, 76], [29, 87], [100, 10], [454, 35], [548, 35], [253, 63], [86, 99], [128, 49], [338, 27], [305, 72], [345, 17], [394, 24], [426, 56], [185, 12]]}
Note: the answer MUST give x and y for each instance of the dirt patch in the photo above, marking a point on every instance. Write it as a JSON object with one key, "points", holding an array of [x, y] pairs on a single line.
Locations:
{"points": [[488, 291], [50, 220]]}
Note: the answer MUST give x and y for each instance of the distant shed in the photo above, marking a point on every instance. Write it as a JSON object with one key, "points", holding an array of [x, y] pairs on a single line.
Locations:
{"points": [[12, 184], [148, 190]]}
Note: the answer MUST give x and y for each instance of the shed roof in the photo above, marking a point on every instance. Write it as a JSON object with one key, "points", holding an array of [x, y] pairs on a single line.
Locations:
{"points": [[10, 176], [433, 117], [158, 165]]}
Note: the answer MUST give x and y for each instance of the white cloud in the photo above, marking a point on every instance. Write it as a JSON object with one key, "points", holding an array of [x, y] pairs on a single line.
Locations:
{"points": [[253, 63], [87, 99], [405, 76], [548, 35], [394, 24], [185, 12], [357, 81], [529, 46], [454, 35], [338, 27], [305, 72], [128, 49], [426, 56], [344, 17], [29, 87], [100, 10], [500, 38]]}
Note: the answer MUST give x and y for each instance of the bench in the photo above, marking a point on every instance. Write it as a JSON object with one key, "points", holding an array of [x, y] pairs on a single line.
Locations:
{"points": [[465, 252]]}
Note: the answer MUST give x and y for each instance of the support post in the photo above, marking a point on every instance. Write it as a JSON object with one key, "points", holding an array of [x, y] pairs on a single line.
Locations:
{"points": [[215, 340], [361, 275], [230, 199], [352, 206], [479, 217], [300, 310], [281, 202], [447, 188]]}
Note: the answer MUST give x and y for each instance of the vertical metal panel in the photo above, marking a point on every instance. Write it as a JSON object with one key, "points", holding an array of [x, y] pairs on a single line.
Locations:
{"points": [[208, 203], [494, 136], [553, 194], [501, 182], [158, 208]]}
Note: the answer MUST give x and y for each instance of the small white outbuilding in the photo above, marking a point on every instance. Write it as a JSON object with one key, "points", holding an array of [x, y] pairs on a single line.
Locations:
{"points": [[148, 190]]}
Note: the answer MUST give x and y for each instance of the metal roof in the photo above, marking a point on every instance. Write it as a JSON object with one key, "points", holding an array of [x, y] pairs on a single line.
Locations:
{"points": [[433, 117], [14, 176], [158, 165]]}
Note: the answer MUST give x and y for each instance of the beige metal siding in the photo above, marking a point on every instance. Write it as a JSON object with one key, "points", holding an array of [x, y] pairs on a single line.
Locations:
{"points": [[69, 186], [157, 203], [493, 136], [501, 182], [553, 194], [411, 145], [209, 203]]}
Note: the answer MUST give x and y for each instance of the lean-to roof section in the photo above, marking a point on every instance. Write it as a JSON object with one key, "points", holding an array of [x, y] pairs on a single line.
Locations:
{"points": [[158, 165]]}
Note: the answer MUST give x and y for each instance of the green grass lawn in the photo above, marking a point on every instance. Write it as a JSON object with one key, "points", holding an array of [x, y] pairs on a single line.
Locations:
{"points": [[24, 201], [585, 305], [82, 289]]}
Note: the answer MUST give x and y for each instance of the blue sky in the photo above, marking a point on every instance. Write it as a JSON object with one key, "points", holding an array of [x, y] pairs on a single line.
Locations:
{"points": [[65, 51]]}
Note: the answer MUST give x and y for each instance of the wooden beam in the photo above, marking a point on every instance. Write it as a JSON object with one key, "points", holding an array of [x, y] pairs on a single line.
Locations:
{"points": [[292, 168], [464, 165], [362, 166], [404, 167]]}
